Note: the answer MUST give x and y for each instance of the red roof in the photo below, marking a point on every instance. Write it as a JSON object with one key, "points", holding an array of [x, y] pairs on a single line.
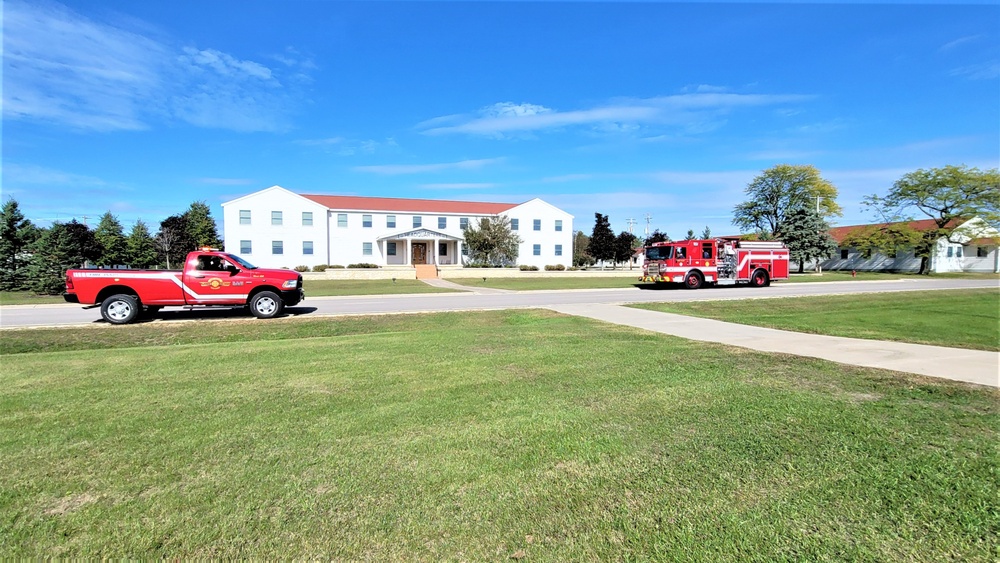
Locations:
{"points": [[840, 233], [409, 205]]}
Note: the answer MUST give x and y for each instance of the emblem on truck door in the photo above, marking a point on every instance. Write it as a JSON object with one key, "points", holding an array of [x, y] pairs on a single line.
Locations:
{"points": [[215, 283]]}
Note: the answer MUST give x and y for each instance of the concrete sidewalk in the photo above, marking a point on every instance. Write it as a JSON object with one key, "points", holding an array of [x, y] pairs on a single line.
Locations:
{"points": [[971, 366], [476, 290]]}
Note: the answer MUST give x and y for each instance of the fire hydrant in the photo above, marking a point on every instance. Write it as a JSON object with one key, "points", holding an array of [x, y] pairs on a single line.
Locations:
{"points": [[854, 273]]}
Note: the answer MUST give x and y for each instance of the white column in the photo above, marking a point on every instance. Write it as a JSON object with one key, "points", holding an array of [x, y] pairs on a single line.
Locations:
{"points": [[458, 252], [437, 258], [407, 259]]}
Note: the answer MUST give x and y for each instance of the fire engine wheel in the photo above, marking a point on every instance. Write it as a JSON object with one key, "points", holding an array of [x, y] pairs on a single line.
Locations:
{"points": [[266, 305], [120, 309], [693, 280], [760, 279]]}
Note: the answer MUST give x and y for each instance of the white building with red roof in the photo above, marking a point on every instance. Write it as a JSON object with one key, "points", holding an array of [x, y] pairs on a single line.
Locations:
{"points": [[277, 228]]}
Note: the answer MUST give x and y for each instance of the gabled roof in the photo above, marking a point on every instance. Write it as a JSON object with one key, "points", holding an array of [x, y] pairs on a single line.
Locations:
{"points": [[840, 233], [409, 205]]}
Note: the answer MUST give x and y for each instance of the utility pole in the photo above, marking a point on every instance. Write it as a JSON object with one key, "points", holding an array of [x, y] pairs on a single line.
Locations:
{"points": [[648, 219], [631, 225]]}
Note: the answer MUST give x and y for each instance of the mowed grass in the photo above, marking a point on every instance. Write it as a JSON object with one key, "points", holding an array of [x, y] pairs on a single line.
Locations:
{"points": [[486, 436], [324, 288], [954, 318]]}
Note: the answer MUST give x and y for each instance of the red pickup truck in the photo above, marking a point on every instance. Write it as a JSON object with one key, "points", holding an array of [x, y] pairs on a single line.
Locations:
{"points": [[209, 277]]}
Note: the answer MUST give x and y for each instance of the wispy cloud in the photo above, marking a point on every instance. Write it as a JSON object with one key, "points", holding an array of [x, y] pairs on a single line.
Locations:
{"points": [[689, 110], [14, 174], [981, 71], [397, 169], [343, 146], [958, 42], [64, 68]]}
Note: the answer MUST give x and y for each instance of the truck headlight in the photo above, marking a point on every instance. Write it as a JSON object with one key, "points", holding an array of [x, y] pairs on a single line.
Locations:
{"points": [[289, 284]]}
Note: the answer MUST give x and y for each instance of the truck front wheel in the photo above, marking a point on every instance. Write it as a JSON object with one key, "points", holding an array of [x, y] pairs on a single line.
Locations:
{"points": [[266, 305], [693, 280], [120, 309]]}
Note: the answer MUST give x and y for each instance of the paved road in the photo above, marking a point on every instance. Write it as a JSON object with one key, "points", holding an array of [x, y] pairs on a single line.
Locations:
{"points": [[74, 315]]}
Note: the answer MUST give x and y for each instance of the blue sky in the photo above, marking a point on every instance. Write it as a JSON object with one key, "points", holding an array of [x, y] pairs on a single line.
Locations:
{"points": [[627, 109]]}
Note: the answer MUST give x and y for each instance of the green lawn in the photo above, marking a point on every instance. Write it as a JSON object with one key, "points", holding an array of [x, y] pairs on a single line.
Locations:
{"points": [[486, 436], [28, 298], [569, 280], [322, 288], [955, 318]]}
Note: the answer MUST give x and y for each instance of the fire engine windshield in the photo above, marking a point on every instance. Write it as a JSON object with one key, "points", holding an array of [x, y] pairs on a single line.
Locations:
{"points": [[246, 265], [659, 252]]}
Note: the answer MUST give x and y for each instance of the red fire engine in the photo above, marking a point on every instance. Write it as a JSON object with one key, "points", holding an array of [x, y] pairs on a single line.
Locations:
{"points": [[718, 261]]}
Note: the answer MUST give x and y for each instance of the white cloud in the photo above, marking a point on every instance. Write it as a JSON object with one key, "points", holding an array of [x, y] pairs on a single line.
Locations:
{"points": [[397, 169], [979, 71], [40, 176], [960, 41], [65, 68], [695, 112]]}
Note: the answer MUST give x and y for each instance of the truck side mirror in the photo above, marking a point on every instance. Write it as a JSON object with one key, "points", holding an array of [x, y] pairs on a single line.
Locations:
{"points": [[233, 270]]}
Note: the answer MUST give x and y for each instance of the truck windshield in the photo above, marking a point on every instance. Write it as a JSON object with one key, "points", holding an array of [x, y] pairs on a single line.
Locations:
{"points": [[659, 252], [246, 265]]}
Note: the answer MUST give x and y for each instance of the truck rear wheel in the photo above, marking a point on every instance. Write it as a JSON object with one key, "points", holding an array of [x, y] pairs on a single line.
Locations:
{"points": [[120, 309], [693, 280], [266, 305], [760, 279]]}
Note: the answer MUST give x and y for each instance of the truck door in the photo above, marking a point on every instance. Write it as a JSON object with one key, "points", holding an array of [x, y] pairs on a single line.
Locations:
{"points": [[210, 278]]}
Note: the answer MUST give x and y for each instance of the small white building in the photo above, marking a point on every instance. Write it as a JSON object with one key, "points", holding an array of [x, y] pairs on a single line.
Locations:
{"points": [[278, 228], [970, 247]]}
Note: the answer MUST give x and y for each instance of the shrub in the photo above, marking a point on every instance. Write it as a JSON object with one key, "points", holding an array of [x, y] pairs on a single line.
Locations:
{"points": [[363, 265], [526, 268], [336, 267], [320, 267], [555, 268], [301, 268]]}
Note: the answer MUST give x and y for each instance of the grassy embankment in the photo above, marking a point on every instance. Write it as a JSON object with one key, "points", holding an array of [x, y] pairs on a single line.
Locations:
{"points": [[954, 318], [479, 436]]}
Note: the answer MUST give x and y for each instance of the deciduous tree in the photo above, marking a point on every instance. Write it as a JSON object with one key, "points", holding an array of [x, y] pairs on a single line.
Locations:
{"points": [[580, 256], [625, 244], [656, 236], [492, 242], [949, 195], [779, 190]]}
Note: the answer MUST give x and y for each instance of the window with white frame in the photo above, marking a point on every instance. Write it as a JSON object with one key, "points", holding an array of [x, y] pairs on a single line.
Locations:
{"points": [[366, 248], [275, 217], [463, 223], [342, 220], [558, 224], [558, 250], [244, 216], [307, 247], [307, 218], [366, 221], [536, 225], [390, 248], [442, 249], [418, 221], [390, 221], [277, 247], [442, 222], [982, 252], [246, 247], [515, 224], [536, 249]]}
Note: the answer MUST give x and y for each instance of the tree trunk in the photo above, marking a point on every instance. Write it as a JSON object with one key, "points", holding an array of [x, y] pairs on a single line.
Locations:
{"points": [[923, 266]]}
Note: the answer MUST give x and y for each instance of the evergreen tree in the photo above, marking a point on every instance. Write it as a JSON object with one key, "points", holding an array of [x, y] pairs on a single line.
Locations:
{"points": [[602, 240], [706, 234], [690, 235], [140, 248], [492, 242], [580, 256], [110, 241], [16, 235], [807, 237], [64, 246], [200, 227]]}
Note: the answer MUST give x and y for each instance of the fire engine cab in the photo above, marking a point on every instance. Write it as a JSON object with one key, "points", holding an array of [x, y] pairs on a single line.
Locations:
{"points": [[695, 263]]}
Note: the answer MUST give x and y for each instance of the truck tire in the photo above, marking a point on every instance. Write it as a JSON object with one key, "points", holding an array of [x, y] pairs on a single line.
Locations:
{"points": [[266, 305], [120, 309], [693, 280], [760, 279]]}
